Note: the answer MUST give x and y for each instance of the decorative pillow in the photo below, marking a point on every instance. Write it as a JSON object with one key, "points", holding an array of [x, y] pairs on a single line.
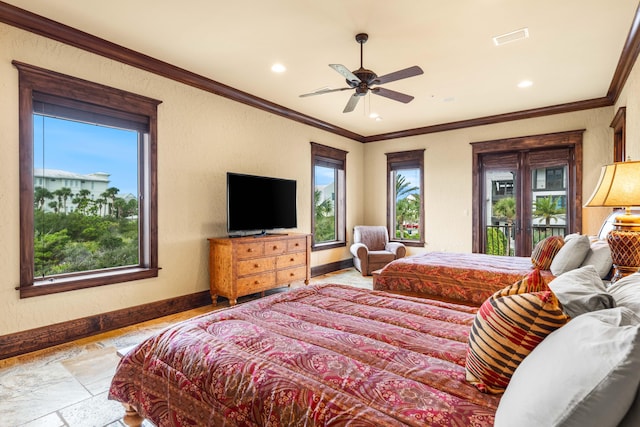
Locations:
{"points": [[570, 378], [599, 255], [581, 291], [571, 255], [626, 292], [505, 330], [532, 282], [545, 250]]}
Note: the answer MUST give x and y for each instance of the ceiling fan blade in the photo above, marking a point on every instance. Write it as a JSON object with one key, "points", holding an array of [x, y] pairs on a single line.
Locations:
{"points": [[392, 94], [401, 74], [345, 72], [351, 104], [323, 91]]}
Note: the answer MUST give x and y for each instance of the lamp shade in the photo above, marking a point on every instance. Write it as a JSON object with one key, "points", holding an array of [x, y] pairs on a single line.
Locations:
{"points": [[619, 186]]}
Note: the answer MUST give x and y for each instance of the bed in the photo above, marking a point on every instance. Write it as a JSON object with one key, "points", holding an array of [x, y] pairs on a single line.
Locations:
{"points": [[314, 356], [468, 278]]}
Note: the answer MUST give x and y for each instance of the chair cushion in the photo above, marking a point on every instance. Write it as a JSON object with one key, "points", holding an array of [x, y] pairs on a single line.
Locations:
{"points": [[376, 257], [373, 236]]}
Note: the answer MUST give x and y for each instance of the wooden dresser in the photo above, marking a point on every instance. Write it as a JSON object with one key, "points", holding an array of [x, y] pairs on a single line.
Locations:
{"points": [[246, 265]]}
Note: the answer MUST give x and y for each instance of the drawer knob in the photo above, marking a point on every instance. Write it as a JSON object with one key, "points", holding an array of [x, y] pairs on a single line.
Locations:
{"points": [[256, 265], [291, 274], [292, 259], [275, 247], [250, 250], [257, 282]]}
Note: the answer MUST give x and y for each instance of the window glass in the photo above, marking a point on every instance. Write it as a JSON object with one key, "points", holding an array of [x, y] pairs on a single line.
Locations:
{"points": [[86, 197], [405, 201], [329, 196]]}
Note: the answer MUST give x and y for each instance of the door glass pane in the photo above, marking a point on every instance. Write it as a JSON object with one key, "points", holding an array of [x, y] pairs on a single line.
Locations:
{"points": [[500, 212], [549, 198]]}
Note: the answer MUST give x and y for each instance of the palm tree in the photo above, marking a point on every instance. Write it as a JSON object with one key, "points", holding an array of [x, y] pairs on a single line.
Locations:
{"points": [[548, 208], [63, 194], [505, 209], [407, 203], [324, 218], [40, 195], [109, 195]]}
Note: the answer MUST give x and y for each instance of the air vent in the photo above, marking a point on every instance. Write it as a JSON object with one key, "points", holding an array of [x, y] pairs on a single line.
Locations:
{"points": [[513, 36]]}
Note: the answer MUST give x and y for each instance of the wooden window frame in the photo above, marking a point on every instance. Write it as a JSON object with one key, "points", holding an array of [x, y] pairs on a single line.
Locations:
{"points": [[405, 160], [619, 125], [323, 154], [66, 91]]}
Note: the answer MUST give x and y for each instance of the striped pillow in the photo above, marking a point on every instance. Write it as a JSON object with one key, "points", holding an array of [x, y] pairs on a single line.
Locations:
{"points": [[506, 329], [532, 282], [545, 250]]}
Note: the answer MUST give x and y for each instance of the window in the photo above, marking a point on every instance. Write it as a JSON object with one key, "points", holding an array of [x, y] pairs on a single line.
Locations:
{"points": [[328, 218], [405, 218], [88, 186]]}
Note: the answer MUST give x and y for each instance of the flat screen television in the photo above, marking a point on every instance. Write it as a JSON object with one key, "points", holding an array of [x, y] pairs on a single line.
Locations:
{"points": [[260, 204]]}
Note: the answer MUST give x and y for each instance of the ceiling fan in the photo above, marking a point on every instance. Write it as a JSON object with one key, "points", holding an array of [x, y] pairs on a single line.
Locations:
{"points": [[362, 79]]}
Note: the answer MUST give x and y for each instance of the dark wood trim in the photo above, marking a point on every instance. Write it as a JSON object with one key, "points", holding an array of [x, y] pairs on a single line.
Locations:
{"points": [[45, 27], [56, 31], [60, 333], [627, 59], [619, 125], [319, 270], [499, 118]]}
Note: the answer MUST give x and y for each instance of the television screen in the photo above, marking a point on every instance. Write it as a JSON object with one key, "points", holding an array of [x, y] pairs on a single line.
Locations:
{"points": [[260, 203]]}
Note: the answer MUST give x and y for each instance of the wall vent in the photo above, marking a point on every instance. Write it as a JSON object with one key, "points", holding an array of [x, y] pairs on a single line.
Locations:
{"points": [[513, 36]]}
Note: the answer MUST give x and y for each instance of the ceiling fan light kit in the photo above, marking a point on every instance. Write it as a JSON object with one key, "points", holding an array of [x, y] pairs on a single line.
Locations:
{"points": [[362, 81]]}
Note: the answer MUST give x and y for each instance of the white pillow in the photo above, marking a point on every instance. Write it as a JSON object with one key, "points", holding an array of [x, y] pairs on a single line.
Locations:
{"points": [[584, 374], [570, 255], [626, 292], [581, 291], [599, 255]]}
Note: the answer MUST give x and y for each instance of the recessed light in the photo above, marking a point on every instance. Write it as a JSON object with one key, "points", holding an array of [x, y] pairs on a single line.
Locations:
{"points": [[374, 115], [278, 68], [378, 119], [525, 83]]}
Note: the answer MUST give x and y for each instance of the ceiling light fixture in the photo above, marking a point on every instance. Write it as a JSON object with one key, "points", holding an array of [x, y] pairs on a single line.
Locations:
{"points": [[278, 68], [525, 83]]}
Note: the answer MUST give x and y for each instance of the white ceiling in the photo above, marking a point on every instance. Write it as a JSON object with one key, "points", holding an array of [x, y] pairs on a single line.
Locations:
{"points": [[571, 53]]}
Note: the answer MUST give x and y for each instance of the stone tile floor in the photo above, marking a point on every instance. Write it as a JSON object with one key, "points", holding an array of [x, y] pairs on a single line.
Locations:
{"points": [[67, 385]]}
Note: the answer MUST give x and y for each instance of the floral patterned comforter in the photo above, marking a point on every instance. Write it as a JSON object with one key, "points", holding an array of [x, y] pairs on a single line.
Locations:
{"points": [[466, 277], [325, 355]]}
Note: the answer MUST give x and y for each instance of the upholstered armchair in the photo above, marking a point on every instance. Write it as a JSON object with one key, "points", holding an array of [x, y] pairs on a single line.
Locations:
{"points": [[372, 250]]}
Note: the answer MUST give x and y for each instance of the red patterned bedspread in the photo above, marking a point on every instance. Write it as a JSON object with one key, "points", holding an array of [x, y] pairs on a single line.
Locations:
{"points": [[327, 355], [465, 277]]}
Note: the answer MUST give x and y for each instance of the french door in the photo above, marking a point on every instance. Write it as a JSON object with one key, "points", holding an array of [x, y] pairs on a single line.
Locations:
{"points": [[524, 195]]}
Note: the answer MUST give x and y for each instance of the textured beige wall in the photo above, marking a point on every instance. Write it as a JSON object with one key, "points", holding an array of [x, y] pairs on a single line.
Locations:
{"points": [[201, 137], [448, 174]]}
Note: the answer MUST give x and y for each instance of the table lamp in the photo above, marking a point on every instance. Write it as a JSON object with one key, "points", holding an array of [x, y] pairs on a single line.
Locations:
{"points": [[619, 187]]}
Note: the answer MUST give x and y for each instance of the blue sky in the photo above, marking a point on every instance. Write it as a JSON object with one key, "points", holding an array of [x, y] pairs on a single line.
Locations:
{"points": [[83, 148]]}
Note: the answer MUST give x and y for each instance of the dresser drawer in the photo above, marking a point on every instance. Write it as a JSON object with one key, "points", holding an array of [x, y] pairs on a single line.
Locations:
{"points": [[294, 245], [291, 260], [291, 274], [256, 283], [256, 265], [275, 248], [250, 250]]}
